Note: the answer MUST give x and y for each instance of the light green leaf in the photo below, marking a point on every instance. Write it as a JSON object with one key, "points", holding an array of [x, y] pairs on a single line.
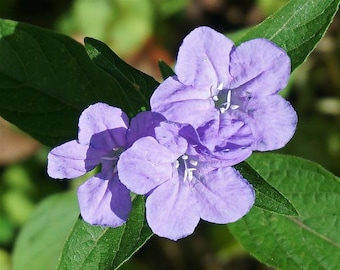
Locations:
{"points": [[297, 27], [309, 241], [267, 197], [47, 80], [41, 239], [170, 8], [125, 25], [95, 247]]}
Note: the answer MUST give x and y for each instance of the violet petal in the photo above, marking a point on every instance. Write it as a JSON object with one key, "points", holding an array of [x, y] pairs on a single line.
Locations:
{"points": [[103, 201], [223, 195], [182, 104], [103, 126], [171, 210], [142, 125], [203, 59], [145, 165], [274, 120], [259, 67], [72, 159]]}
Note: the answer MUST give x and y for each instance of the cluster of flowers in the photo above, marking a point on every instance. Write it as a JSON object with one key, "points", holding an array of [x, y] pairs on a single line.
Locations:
{"points": [[221, 105]]}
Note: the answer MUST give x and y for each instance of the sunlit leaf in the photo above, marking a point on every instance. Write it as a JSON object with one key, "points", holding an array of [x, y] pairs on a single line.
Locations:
{"points": [[267, 197], [47, 80], [308, 241], [41, 239], [297, 27], [96, 247], [136, 85]]}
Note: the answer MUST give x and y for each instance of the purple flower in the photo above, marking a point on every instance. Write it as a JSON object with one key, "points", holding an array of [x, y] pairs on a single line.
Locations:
{"points": [[103, 134], [180, 189], [220, 141], [221, 105], [218, 82]]}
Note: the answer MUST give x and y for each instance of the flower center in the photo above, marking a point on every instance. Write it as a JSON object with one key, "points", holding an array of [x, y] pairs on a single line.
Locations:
{"points": [[189, 167], [111, 159], [223, 100], [114, 154]]}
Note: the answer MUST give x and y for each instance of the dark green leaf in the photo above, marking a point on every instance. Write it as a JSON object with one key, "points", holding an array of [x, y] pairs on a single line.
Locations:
{"points": [[136, 85], [42, 238], [267, 197], [297, 27], [309, 241], [165, 69], [94, 247], [47, 80]]}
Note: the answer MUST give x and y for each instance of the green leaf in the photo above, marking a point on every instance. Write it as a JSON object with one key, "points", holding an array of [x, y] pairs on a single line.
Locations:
{"points": [[267, 197], [165, 69], [47, 80], [95, 247], [297, 27], [41, 239], [136, 85], [309, 241]]}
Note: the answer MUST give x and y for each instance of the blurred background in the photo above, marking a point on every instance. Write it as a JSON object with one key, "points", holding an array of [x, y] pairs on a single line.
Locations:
{"points": [[142, 32]]}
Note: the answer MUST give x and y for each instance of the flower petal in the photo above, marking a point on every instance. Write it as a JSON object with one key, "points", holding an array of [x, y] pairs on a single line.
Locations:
{"points": [[103, 201], [225, 132], [223, 195], [181, 103], [219, 142], [103, 126], [145, 165], [203, 59], [273, 120], [72, 159], [142, 125], [171, 210], [167, 134], [259, 67]]}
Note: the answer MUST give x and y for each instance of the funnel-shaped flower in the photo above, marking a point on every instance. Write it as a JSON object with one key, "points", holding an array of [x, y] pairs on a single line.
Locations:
{"points": [[241, 83], [180, 189], [104, 133]]}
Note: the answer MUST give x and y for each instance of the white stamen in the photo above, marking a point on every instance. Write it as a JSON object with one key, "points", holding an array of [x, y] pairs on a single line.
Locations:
{"points": [[227, 104], [220, 86], [109, 158], [193, 162], [215, 98], [188, 172], [234, 107], [177, 164]]}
